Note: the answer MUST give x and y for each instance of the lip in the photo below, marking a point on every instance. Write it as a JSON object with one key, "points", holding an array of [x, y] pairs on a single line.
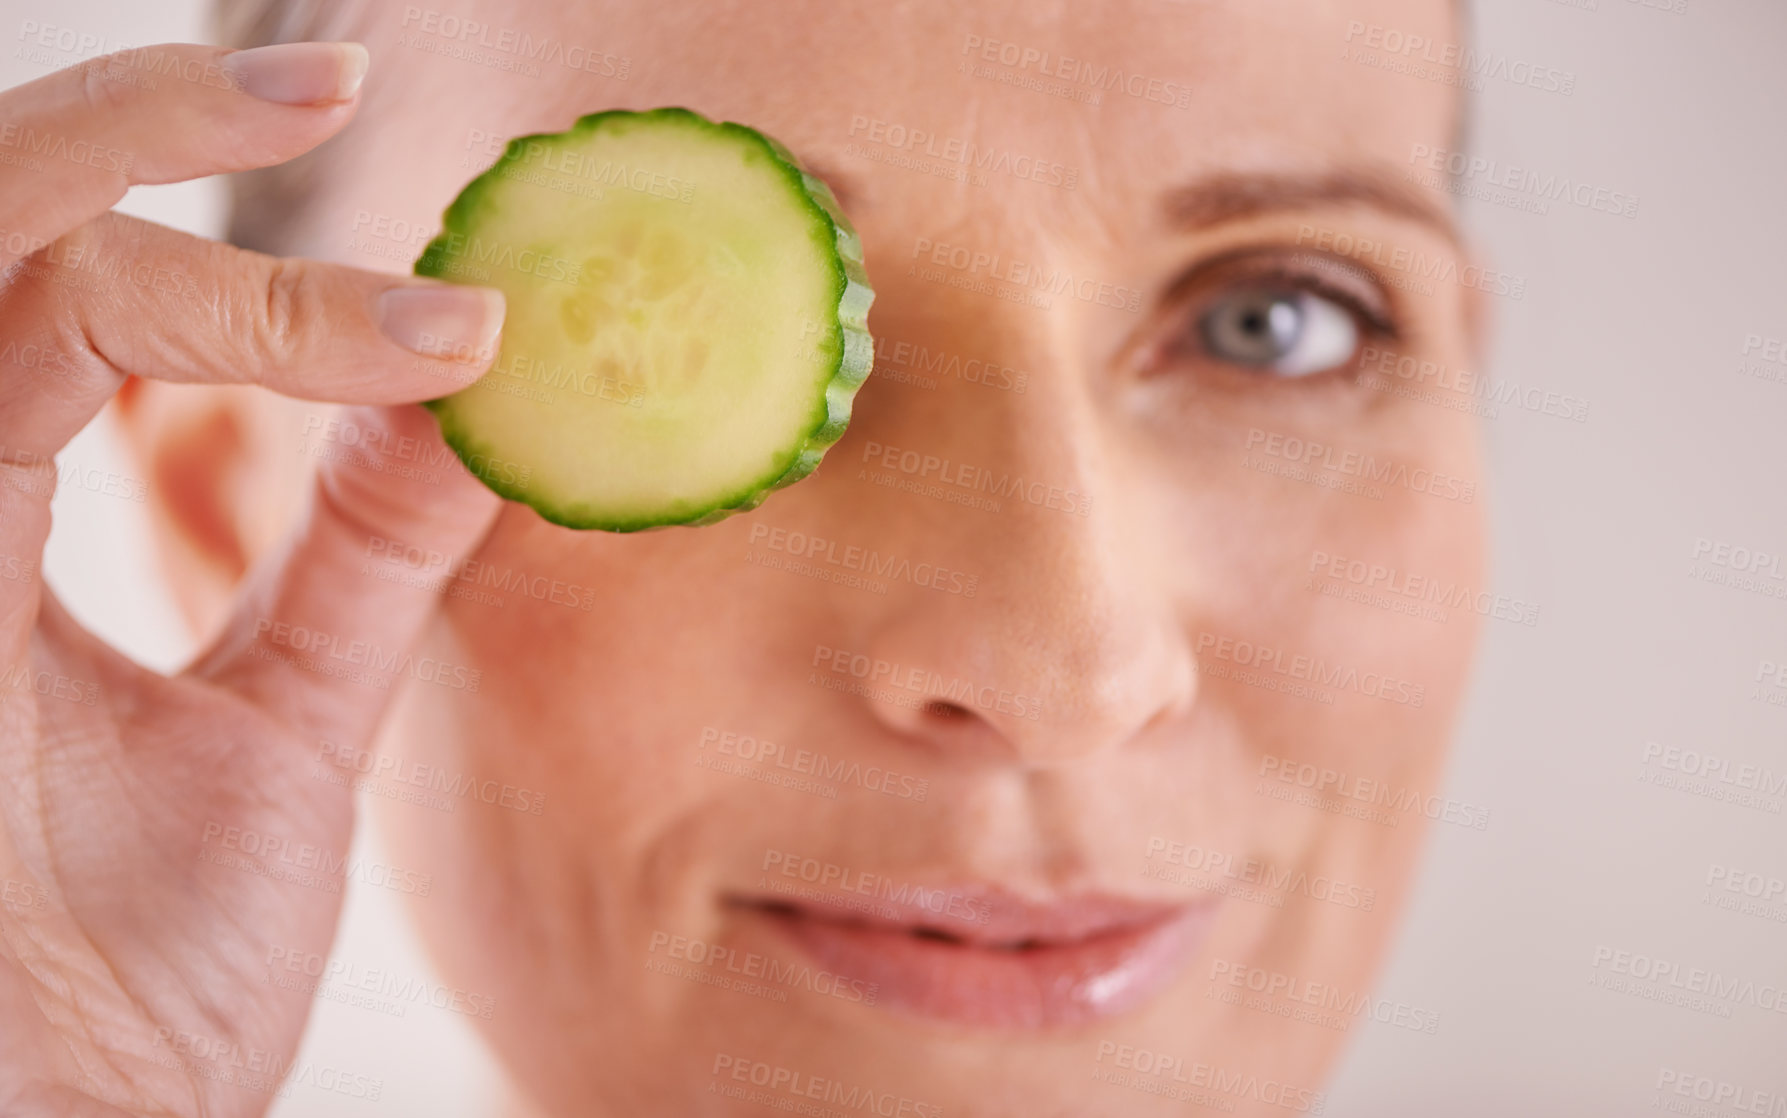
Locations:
{"points": [[1013, 964]]}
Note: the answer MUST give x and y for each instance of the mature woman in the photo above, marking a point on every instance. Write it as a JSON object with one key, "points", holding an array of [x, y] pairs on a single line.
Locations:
{"points": [[1039, 813]]}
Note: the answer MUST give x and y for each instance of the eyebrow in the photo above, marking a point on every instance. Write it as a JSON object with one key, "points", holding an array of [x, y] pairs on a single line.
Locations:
{"points": [[1232, 197]]}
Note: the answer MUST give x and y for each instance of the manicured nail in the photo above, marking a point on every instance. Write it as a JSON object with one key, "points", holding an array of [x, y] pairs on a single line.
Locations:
{"points": [[448, 321], [300, 73]]}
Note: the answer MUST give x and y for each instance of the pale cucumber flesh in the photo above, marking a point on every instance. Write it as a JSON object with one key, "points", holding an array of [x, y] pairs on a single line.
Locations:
{"points": [[686, 320]]}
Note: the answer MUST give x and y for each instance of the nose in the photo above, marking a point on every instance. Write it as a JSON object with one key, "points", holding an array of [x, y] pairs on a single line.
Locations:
{"points": [[1012, 677], [1068, 645]]}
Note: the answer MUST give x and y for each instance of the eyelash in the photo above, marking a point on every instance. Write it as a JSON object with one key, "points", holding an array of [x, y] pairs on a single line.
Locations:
{"points": [[1376, 323], [1205, 283]]}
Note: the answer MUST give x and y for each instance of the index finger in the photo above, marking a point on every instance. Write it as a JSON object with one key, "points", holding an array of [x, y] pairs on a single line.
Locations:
{"points": [[73, 142]]}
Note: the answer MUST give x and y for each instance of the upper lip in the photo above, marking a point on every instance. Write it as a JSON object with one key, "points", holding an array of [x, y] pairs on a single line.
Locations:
{"points": [[976, 915]]}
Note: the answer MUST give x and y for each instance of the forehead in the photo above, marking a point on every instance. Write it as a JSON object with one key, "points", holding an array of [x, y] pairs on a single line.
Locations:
{"points": [[1128, 91]]}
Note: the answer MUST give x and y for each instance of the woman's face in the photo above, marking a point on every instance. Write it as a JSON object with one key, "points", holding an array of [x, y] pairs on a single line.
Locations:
{"points": [[970, 772]]}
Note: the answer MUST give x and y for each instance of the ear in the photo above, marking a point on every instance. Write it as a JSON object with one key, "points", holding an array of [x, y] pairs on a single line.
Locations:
{"points": [[224, 478]]}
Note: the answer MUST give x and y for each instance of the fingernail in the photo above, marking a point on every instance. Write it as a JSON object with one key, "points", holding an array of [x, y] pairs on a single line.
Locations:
{"points": [[448, 321], [299, 73]]}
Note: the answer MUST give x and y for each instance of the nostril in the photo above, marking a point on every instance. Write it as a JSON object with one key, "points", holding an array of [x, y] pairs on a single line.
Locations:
{"points": [[945, 710]]}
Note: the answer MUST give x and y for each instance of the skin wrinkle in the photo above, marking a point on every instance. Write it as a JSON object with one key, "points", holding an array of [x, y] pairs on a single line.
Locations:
{"points": [[1147, 736]]}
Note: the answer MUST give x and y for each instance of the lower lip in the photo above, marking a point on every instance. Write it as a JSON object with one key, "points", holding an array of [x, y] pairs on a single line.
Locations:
{"points": [[1039, 988]]}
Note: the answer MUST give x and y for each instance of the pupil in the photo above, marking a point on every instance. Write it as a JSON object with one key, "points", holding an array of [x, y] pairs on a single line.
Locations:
{"points": [[1254, 328]]}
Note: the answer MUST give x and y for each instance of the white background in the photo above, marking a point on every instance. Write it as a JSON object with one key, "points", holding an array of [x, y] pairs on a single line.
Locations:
{"points": [[1594, 521]]}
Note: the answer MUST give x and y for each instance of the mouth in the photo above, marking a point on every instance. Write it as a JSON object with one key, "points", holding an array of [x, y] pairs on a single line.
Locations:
{"points": [[979, 955]]}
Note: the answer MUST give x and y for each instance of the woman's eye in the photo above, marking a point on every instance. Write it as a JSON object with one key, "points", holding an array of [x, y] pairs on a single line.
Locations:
{"points": [[1289, 332]]}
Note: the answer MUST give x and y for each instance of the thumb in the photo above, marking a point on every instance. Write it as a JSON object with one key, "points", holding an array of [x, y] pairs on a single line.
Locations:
{"points": [[324, 631]]}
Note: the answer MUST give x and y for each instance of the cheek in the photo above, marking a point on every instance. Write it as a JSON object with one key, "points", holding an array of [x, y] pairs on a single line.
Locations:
{"points": [[611, 681], [1332, 569], [1335, 677], [1385, 612], [612, 720], [1329, 563]]}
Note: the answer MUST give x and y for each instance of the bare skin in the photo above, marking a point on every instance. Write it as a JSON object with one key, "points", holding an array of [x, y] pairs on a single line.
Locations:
{"points": [[115, 775], [1137, 625]]}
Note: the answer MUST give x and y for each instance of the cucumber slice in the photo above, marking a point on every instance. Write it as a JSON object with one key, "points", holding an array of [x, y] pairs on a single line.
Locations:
{"points": [[687, 322]]}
